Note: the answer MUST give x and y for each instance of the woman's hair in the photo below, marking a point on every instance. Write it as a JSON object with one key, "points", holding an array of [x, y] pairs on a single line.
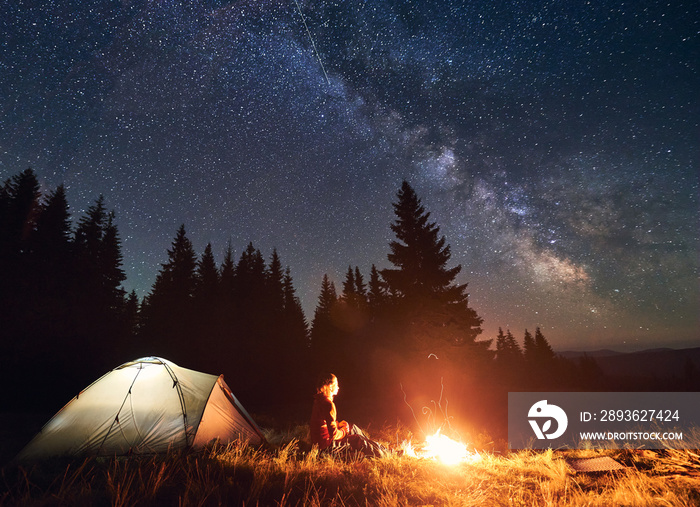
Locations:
{"points": [[324, 381]]}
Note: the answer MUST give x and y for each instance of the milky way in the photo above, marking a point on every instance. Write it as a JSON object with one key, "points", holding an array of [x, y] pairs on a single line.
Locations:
{"points": [[555, 143]]}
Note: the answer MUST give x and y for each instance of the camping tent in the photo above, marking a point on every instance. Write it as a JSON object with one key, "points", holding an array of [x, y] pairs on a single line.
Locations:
{"points": [[142, 407]]}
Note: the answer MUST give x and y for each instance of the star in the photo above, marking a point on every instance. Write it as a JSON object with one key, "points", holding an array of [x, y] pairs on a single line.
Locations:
{"points": [[554, 144]]}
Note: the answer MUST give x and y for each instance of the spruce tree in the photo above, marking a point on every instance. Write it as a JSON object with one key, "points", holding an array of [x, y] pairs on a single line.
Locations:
{"points": [[131, 317], [421, 284], [176, 281], [349, 288], [541, 362], [350, 318], [228, 309], [513, 348], [252, 332], [529, 348], [250, 282], [354, 296], [376, 293], [87, 266], [508, 355], [278, 346], [20, 339], [52, 241], [227, 313], [19, 210], [207, 278], [360, 287], [168, 312], [99, 258], [323, 332], [274, 281], [131, 346], [53, 271], [295, 321], [90, 230], [544, 352], [419, 254], [296, 354], [111, 263], [500, 345], [206, 306], [227, 273]]}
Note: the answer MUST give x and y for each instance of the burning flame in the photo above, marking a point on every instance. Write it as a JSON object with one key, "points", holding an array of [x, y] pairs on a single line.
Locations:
{"points": [[445, 449], [442, 448]]}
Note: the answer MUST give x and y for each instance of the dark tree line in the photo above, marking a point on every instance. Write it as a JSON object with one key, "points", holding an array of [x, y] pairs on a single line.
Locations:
{"points": [[65, 317], [242, 318], [412, 323], [535, 360], [63, 311], [403, 328]]}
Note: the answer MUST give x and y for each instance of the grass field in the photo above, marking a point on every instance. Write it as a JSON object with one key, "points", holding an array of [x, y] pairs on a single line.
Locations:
{"points": [[288, 472]]}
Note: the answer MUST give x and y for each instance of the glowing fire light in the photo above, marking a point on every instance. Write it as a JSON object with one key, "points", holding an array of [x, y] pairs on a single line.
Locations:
{"points": [[445, 449], [442, 448]]}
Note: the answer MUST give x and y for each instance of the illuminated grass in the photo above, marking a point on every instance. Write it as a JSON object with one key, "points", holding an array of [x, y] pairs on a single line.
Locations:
{"points": [[287, 475]]}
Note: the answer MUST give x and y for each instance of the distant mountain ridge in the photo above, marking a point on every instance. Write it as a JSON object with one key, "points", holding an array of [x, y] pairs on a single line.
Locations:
{"points": [[662, 363], [573, 354]]}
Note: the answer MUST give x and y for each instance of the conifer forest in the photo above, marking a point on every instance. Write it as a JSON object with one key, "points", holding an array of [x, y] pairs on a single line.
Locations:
{"points": [[401, 337]]}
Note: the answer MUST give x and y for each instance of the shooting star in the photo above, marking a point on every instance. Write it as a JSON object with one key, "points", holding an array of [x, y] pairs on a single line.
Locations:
{"points": [[308, 32]]}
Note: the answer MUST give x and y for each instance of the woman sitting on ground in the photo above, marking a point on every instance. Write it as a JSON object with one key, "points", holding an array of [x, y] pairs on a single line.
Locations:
{"points": [[329, 433]]}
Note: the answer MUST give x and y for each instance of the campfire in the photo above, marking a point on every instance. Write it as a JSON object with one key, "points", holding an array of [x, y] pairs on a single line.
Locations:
{"points": [[438, 446], [442, 448]]}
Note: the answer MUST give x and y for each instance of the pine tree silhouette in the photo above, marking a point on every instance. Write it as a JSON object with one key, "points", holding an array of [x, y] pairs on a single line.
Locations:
{"points": [[360, 287], [98, 276], [376, 293], [227, 273], [509, 356], [293, 330], [349, 288], [207, 278], [53, 272], [61, 298], [19, 209], [274, 283], [529, 348], [132, 309], [421, 284], [19, 339], [544, 353], [168, 319], [324, 338], [206, 311]]}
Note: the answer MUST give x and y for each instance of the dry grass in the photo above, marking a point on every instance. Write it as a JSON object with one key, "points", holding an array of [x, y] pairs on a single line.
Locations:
{"points": [[289, 473]]}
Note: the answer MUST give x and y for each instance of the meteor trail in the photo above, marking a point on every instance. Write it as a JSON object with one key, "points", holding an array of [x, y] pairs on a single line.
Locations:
{"points": [[312, 42]]}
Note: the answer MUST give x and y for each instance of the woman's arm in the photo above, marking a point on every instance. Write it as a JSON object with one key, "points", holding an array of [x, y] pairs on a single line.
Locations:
{"points": [[336, 430]]}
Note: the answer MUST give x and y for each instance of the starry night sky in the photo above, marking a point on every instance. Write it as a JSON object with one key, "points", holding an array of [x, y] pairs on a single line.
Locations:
{"points": [[554, 142]]}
